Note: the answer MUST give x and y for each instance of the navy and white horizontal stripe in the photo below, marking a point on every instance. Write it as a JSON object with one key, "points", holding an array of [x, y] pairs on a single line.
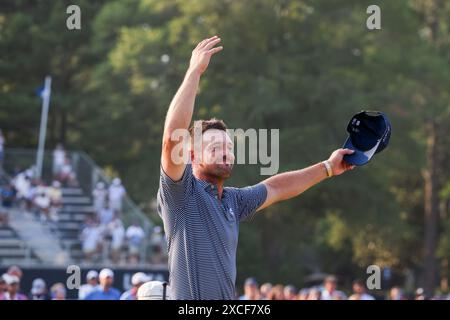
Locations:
{"points": [[202, 234]]}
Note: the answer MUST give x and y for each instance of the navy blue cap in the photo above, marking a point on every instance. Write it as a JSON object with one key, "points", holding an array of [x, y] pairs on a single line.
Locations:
{"points": [[250, 282], [369, 133]]}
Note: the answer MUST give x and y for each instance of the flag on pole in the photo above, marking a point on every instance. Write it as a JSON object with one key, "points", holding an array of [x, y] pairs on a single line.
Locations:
{"points": [[44, 93]]}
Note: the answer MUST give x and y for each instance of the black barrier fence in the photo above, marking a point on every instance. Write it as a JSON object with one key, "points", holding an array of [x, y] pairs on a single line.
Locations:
{"points": [[122, 277]]}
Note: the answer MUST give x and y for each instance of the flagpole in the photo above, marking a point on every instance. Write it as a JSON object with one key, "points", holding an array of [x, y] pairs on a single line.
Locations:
{"points": [[42, 131]]}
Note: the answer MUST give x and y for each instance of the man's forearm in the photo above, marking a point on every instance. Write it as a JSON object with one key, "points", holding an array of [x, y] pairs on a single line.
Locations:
{"points": [[290, 184], [181, 108]]}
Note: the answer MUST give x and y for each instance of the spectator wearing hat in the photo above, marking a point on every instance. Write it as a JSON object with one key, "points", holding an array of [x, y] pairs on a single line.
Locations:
{"points": [[330, 291], [264, 290], [38, 290], [90, 285], [359, 292], [58, 291], [420, 294], [105, 291], [12, 288], [290, 293], [154, 290], [137, 280], [251, 291]]}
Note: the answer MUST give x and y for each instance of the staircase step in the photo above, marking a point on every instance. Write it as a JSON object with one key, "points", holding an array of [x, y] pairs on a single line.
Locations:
{"points": [[69, 234], [13, 252], [7, 233], [68, 217], [19, 261], [11, 243], [71, 243], [76, 200], [68, 225], [72, 191], [77, 208]]}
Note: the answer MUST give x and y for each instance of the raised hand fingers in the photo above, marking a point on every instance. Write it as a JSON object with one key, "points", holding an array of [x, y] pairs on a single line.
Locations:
{"points": [[203, 43], [346, 151], [211, 43], [215, 50]]}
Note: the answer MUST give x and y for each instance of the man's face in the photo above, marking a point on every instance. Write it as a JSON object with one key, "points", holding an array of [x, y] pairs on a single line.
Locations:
{"points": [[92, 281], [106, 282], [330, 286], [251, 290], [13, 288], [358, 288], [217, 154]]}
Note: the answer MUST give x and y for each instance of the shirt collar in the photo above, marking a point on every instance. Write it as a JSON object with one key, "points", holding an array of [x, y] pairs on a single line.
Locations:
{"points": [[209, 187]]}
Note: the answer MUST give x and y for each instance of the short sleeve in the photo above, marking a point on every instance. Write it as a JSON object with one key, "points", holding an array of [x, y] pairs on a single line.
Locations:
{"points": [[174, 194], [249, 199]]}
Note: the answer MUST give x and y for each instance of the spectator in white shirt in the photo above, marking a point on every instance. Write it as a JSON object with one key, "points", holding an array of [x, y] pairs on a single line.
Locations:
{"points": [[117, 232], [22, 183], [59, 155], [105, 215], [91, 285], [329, 291], [99, 194], [359, 292], [158, 245], [91, 237], [135, 234], [42, 203], [116, 193], [67, 175]]}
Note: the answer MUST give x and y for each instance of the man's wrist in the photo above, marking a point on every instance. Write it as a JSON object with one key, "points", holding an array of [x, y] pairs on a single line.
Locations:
{"points": [[328, 168], [193, 72]]}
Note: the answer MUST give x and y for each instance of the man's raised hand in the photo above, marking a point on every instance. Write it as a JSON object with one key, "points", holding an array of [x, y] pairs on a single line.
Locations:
{"points": [[338, 165], [202, 53]]}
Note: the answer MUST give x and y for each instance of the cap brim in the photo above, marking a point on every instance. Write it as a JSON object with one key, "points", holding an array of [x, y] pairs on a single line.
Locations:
{"points": [[358, 158]]}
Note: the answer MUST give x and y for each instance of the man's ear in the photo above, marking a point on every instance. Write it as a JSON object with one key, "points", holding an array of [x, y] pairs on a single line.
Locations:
{"points": [[191, 153]]}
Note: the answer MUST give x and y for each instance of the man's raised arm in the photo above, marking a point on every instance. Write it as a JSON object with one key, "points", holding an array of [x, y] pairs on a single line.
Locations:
{"points": [[287, 185], [181, 108]]}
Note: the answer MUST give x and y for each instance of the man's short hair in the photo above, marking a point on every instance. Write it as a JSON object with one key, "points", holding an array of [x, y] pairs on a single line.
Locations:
{"points": [[212, 123], [330, 279], [358, 282]]}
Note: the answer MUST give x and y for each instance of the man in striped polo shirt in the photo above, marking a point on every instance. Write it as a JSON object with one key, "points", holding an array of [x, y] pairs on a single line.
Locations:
{"points": [[201, 217]]}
